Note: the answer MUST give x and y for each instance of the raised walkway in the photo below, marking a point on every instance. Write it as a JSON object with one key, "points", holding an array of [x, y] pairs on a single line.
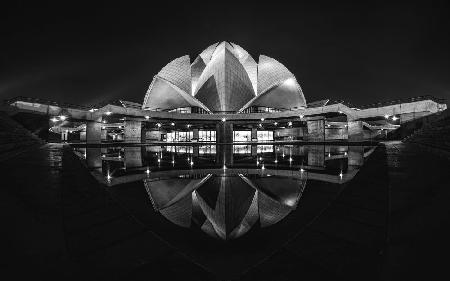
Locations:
{"points": [[83, 113]]}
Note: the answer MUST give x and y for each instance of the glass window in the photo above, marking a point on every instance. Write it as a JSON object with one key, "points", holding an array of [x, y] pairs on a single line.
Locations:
{"points": [[264, 148], [207, 135], [239, 136], [265, 135], [242, 149]]}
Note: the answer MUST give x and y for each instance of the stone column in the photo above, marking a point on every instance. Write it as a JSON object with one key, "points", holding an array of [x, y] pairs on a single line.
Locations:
{"points": [[316, 156], [195, 151], [195, 134], [104, 134], [133, 131], [316, 130], [355, 156], [254, 150], [254, 134], [143, 135], [224, 132], [93, 132], [94, 157], [224, 154], [355, 131], [133, 157]]}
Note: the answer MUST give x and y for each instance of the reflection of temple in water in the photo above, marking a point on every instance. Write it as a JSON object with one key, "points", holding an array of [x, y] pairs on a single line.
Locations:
{"points": [[225, 206], [225, 190]]}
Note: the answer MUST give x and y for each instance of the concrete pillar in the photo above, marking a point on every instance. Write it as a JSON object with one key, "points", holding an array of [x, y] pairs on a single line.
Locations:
{"points": [[104, 136], [195, 134], [224, 154], [316, 130], [133, 157], [355, 131], [93, 157], [82, 135], [195, 151], [254, 134], [224, 132], [316, 156], [143, 135], [355, 156], [93, 132], [133, 131], [254, 150]]}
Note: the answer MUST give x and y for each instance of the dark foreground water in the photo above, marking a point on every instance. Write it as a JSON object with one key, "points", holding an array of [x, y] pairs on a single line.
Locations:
{"points": [[225, 213], [229, 208]]}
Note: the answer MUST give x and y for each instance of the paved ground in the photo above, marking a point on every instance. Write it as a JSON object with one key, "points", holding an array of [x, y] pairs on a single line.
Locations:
{"points": [[388, 224]]}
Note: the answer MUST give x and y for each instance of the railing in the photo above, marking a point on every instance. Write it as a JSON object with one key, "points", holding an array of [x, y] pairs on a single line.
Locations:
{"points": [[403, 100], [46, 102]]}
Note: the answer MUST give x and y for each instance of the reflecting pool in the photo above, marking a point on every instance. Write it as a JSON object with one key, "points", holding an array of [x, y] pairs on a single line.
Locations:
{"points": [[223, 191], [228, 208]]}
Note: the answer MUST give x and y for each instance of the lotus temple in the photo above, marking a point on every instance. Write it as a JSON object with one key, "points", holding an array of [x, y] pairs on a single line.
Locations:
{"points": [[224, 95]]}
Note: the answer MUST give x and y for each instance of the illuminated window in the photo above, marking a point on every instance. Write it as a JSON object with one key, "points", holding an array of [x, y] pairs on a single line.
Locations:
{"points": [[180, 136], [206, 135], [265, 135], [207, 149], [242, 149], [264, 148], [239, 136]]}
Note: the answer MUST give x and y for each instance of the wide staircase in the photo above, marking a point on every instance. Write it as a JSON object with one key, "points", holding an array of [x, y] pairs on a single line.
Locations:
{"points": [[14, 138], [435, 134]]}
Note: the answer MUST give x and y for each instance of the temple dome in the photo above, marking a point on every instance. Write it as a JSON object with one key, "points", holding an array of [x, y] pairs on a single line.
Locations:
{"points": [[224, 78]]}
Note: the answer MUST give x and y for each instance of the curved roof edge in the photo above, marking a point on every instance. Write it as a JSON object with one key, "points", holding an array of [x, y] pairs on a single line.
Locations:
{"points": [[270, 73], [188, 98], [178, 72], [286, 94]]}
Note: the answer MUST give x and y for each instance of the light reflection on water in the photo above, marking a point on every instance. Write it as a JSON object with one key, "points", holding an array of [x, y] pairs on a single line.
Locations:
{"points": [[224, 190]]}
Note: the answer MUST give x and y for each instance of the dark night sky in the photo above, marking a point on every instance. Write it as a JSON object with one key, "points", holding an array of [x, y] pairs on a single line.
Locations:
{"points": [[88, 53]]}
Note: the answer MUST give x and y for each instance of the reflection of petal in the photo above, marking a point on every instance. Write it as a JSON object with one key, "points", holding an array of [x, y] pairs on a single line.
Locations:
{"points": [[164, 193], [249, 220], [277, 197], [179, 213], [233, 208], [271, 211]]}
